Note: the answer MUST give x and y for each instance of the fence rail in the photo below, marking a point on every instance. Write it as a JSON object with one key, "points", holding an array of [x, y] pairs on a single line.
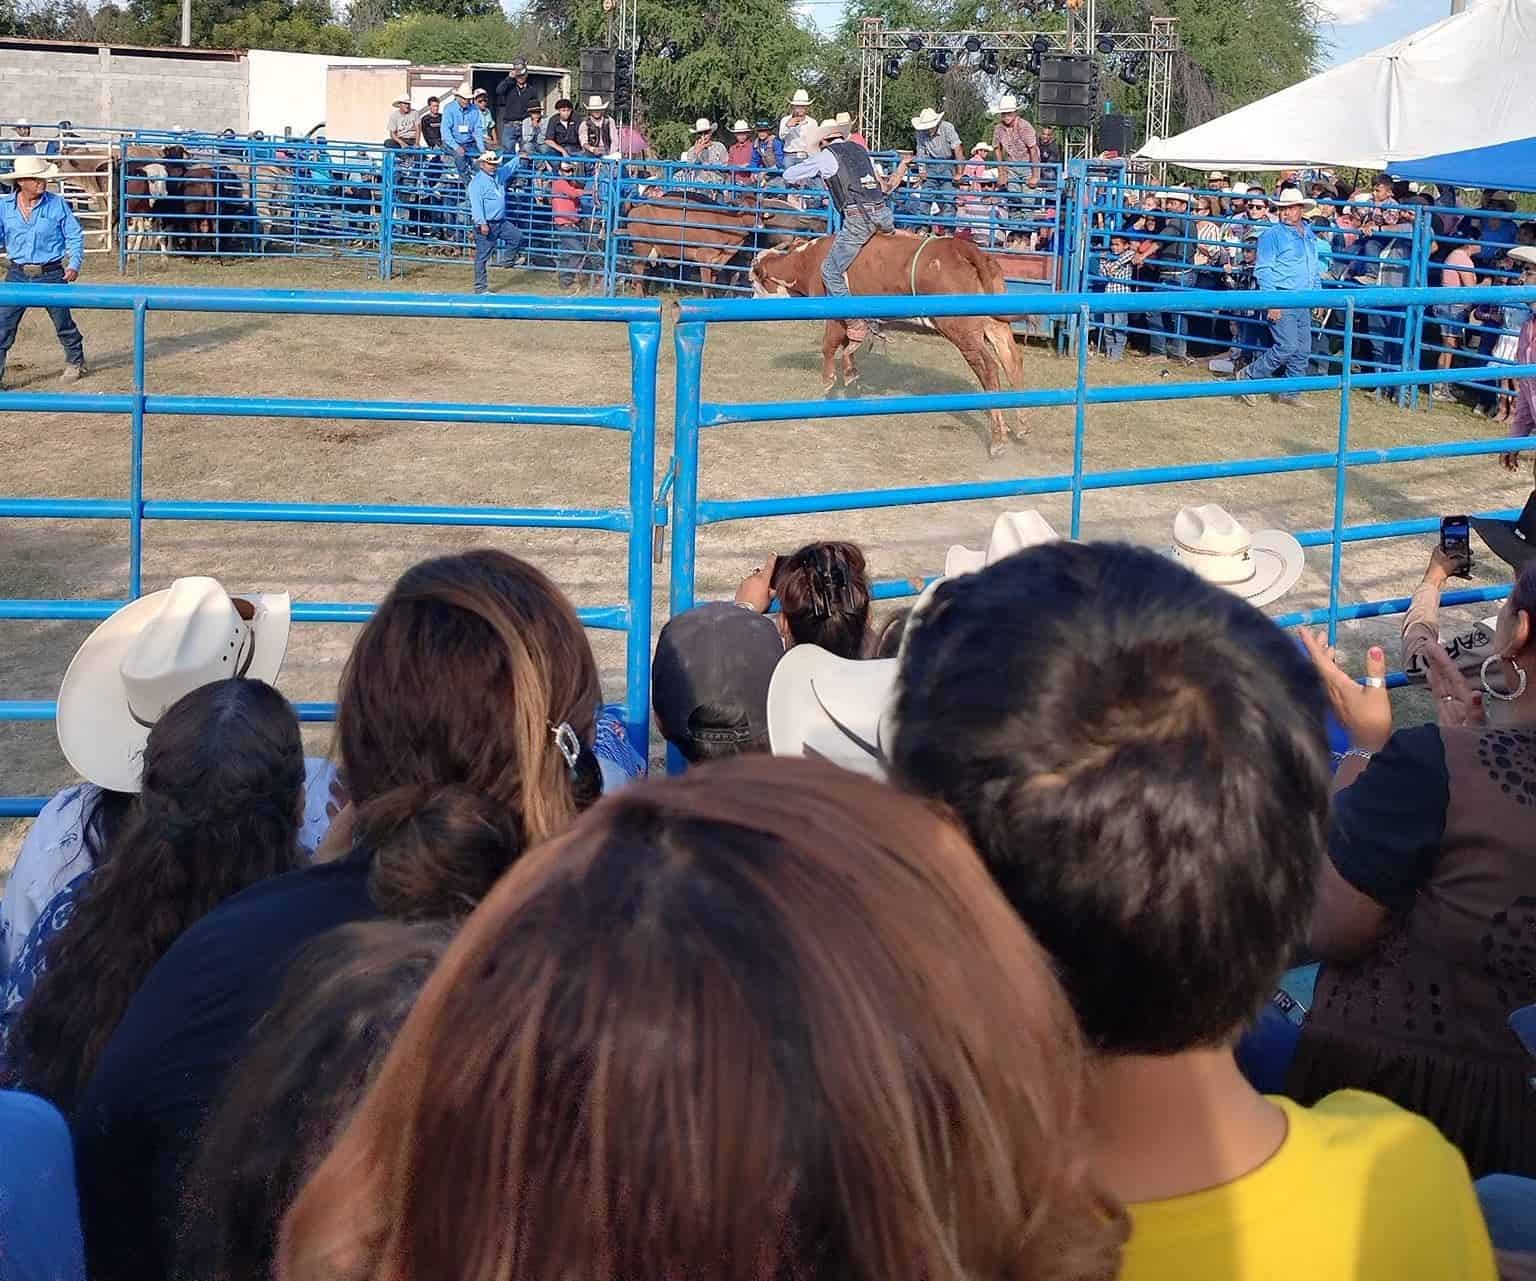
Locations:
{"points": [[634, 520]]}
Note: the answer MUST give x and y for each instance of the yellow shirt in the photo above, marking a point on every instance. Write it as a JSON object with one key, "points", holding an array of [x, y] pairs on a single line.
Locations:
{"points": [[1359, 1191]]}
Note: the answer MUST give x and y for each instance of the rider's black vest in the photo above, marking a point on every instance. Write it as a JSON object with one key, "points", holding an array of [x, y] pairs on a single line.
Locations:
{"points": [[855, 182]]}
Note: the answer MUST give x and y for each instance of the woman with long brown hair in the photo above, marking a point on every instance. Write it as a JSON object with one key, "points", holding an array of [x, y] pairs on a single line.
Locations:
{"points": [[766, 1020], [465, 725], [219, 810]]}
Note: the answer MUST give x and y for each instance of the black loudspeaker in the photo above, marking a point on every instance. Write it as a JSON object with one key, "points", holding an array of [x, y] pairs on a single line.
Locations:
{"points": [[597, 72], [1114, 134], [1069, 90]]}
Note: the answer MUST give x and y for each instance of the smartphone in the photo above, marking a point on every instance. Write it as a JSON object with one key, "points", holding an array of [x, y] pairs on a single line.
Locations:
{"points": [[1523, 1024], [1456, 542]]}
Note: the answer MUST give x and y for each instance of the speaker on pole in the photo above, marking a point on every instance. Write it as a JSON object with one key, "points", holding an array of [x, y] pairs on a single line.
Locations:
{"points": [[597, 72], [1069, 90], [1114, 134]]}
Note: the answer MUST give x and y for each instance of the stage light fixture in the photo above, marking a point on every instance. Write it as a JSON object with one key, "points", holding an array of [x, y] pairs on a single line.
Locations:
{"points": [[988, 63], [1040, 44], [1106, 44], [973, 44], [941, 61], [893, 67], [915, 43]]}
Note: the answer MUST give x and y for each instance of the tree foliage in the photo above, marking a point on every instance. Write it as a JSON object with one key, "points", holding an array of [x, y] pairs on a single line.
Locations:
{"points": [[431, 38], [302, 27]]}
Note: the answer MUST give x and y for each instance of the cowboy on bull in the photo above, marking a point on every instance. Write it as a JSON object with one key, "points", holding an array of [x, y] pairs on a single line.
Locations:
{"points": [[42, 238], [858, 193]]}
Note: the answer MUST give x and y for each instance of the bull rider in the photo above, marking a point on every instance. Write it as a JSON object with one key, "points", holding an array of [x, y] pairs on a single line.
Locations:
{"points": [[858, 194], [42, 238]]}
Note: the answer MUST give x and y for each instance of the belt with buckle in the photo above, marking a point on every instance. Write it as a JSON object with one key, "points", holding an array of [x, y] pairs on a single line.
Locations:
{"points": [[34, 270]]}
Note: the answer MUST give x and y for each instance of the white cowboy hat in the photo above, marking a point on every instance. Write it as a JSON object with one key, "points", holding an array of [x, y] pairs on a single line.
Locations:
{"points": [[1011, 532], [465, 90], [844, 118], [741, 126], [1216, 175], [488, 157], [820, 705], [800, 98], [1290, 197], [31, 167], [150, 653], [926, 119], [1522, 253], [405, 98], [1174, 193], [703, 125], [982, 146], [597, 103], [1236, 189], [1005, 104], [825, 131], [1260, 567], [23, 124]]}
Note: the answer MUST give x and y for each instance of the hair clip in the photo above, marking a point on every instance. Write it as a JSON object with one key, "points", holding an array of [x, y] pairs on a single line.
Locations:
{"points": [[568, 743]]}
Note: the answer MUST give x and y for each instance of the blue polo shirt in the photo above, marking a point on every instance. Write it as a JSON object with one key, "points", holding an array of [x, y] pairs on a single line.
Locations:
{"points": [[1288, 258], [487, 198], [463, 127], [50, 234]]}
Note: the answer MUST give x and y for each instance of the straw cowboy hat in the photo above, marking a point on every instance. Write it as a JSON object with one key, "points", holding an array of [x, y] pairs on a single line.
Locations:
{"points": [[703, 125], [403, 99], [597, 103], [149, 654], [492, 158], [800, 98], [1174, 193], [31, 167], [1011, 532], [825, 132], [1005, 104], [1522, 253], [927, 119], [465, 90], [1290, 197], [844, 118], [983, 146], [741, 126], [837, 709], [1260, 567]]}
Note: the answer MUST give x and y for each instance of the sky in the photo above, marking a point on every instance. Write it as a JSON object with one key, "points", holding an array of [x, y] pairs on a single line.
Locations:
{"points": [[1362, 25]]}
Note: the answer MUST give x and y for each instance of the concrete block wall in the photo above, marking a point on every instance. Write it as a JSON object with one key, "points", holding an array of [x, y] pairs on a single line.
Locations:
{"points": [[103, 87]]}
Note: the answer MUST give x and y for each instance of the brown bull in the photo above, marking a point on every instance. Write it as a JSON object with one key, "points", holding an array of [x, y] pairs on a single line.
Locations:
{"points": [[943, 265], [690, 231]]}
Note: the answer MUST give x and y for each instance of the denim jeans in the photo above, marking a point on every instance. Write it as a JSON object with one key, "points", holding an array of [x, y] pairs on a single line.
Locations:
{"points": [[1169, 327], [63, 323], [571, 256], [861, 223], [503, 235], [1112, 331], [1290, 346], [1509, 1207], [463, 164], [1386, 330]]}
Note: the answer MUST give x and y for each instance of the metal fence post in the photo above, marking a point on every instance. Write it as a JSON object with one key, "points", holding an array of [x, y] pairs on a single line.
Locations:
{"points": [[387, 214], [1413, 320], [644, 345], [136, 456], [1080, 419], [688, 340], [1341, 472], [611, 187], [122, 206]]}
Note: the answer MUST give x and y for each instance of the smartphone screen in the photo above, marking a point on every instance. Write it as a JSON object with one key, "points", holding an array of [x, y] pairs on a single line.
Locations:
{"points": [[1454, 535]]}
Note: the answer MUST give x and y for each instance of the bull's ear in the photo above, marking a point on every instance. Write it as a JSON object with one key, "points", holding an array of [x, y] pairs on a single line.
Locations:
{"points": [[767, 215]]}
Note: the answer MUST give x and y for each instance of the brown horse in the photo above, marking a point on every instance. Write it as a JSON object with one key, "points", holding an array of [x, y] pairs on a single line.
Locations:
{"points": [[901, 263]]}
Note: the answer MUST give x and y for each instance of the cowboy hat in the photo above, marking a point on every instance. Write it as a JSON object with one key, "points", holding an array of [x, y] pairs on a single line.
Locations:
{"points": [[1512, 541], [927, 119], [1290, 197], [465, 90], [741, 126], [404, 97], [1260, 567], [31, 167], [1011, 532], [800, 98], [703, 125], [982, 146], [760, 125], [1522, 253], [150, 653], [837, 709], [844, 118], [825, 132], [488, 157], [1174, 193], [1005, 104], [597, 103]]}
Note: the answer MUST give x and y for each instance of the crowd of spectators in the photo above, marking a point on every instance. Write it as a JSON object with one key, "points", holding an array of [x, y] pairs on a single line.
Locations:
{"points": [[997, 977]]}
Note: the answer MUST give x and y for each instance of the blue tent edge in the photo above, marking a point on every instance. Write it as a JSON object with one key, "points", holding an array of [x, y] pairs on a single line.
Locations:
{"points": [[1508, 166]]}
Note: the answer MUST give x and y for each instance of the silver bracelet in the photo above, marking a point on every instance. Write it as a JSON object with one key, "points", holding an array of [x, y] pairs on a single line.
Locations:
{"points": [[1363, 753]]}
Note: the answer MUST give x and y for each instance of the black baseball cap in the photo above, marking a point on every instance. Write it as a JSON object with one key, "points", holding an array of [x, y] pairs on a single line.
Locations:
{"points": [[709, 680], [1512, 541]]}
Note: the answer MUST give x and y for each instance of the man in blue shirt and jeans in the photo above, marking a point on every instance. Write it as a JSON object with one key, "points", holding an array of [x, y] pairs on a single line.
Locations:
{"points": [[42, 238], [488, 211], [463, 131], [1289, 257]]}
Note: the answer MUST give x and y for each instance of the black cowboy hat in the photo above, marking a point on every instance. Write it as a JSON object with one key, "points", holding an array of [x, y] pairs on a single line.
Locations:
{"points": [[1512, 541]]}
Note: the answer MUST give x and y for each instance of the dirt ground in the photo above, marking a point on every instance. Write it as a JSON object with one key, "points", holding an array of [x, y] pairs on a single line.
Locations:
{"points": [[314, 461]]}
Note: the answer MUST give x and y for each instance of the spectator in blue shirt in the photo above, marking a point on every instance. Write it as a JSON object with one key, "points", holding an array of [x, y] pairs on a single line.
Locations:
{"points": [[768, 148], [39, 1206], [1289, 257], [463, 131], [488, 212], [42, 238]]}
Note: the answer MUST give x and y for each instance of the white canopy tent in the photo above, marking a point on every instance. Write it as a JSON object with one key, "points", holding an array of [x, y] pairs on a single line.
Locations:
{"points": [[1463, 82]]}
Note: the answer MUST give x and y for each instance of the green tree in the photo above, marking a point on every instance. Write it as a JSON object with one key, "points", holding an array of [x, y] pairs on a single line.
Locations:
{"points": [[429, 39], [303, 27], [736, 58]]}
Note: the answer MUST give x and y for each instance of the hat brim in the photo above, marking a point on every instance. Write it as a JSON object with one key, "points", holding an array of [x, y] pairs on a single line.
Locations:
{"points": [[49, 171], [1502, 538], [97, 732], [922, 122], [1277, 564], [962, 560], [831, 708]]}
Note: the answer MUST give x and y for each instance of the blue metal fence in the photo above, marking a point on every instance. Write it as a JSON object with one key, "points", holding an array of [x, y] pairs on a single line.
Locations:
{"points": [[695, 414], [634, 520]]}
